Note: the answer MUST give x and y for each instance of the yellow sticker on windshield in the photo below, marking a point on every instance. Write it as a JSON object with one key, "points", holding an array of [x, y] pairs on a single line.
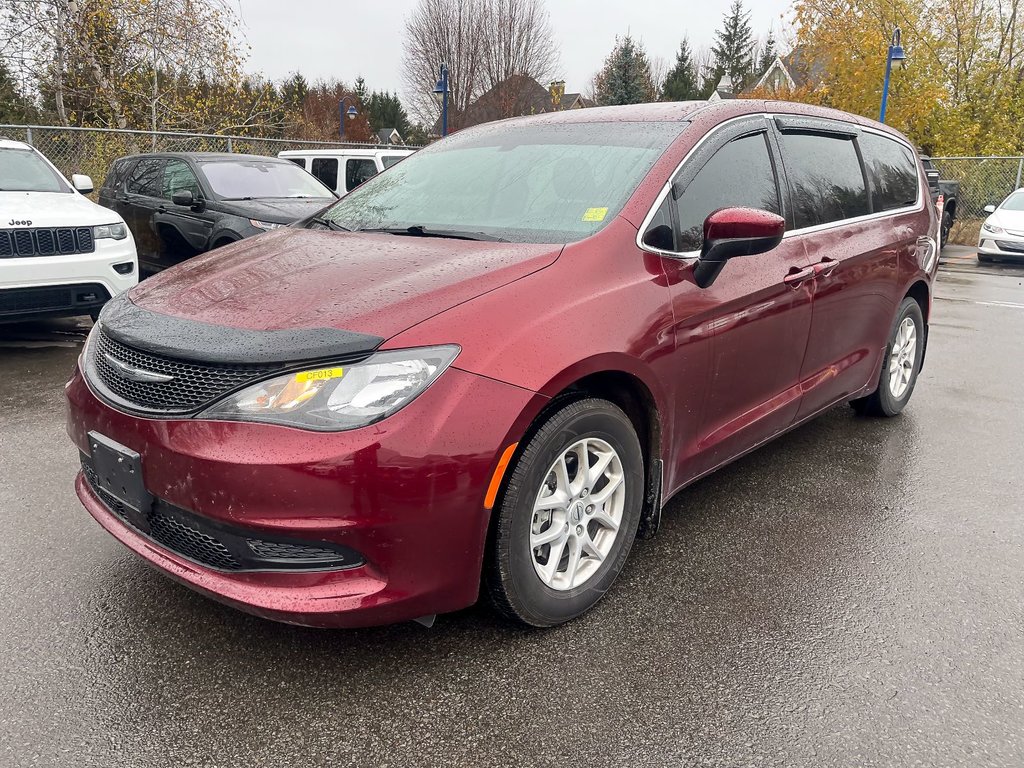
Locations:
{"points": [[595, 214], [321, 374]]}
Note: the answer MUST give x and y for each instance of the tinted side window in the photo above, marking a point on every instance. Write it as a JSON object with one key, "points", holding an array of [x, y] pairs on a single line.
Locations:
{"points": [[892, 172], [825, 178], [147, 177], [116, 174], [299, 161], [740, 174], [178, 177], [358, 171], [326, 169]]}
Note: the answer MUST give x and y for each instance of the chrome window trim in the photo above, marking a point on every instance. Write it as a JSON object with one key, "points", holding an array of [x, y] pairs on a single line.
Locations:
{"points": [[694, 255]]}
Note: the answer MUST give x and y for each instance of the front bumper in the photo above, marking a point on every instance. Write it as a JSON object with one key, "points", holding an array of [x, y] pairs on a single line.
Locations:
{"points": [[1005, 245], [36, 279], [406, 494]]}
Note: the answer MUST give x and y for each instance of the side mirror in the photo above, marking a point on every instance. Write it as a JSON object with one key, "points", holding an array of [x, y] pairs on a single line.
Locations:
{"points": [[660, 237], [184, 198], [82, 183], [732, 232], [989, 209]]}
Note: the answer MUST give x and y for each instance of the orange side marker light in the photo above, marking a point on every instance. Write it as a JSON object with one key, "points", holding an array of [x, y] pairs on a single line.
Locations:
{"points": [[499, 473]]}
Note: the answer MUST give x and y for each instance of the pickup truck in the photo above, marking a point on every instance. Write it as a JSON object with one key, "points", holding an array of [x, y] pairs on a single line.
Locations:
{"points": [[948, 191]]}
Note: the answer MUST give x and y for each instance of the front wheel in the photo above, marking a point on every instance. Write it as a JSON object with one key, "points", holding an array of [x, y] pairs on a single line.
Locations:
{"points": [[901, 365], [568, 515]]}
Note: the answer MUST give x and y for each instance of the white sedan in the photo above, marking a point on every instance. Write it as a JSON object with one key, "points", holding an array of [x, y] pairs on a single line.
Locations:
{"points": [[1002, 234]]}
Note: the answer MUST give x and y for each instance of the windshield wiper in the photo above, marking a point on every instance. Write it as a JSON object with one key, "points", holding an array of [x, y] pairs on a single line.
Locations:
{"points": [[331, 225], [418, 230]]}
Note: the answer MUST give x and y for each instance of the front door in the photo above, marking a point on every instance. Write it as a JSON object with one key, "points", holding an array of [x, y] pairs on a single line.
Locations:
{"points": [[758, 311], [183, 230]]}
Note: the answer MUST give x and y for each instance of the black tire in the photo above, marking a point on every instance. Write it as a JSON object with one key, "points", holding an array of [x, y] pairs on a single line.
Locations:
{"points": [[983, 259], [515, 588], [944, 228], [882, 402]]}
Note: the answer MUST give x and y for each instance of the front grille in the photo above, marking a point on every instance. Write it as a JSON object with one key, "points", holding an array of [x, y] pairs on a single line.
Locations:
{"points": [[52, 298], [192, 385], [219, 546], [50, 241], [191, 542], [1006, 246]]}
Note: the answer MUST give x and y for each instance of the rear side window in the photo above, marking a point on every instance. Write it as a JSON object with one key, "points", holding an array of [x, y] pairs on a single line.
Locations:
{"points": [[825, 178], [358, 171], [326, 169], [892, 172], [389, 160], [117, 174], [740, 174], [299, 161], [147, 177]]}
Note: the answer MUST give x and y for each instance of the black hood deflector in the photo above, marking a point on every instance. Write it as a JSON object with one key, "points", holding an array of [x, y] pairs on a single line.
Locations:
{"points": [[185, 339]]}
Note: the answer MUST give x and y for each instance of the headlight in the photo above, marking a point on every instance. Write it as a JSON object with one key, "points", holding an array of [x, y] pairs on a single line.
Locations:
{"points": [[110, 231], [265, 224], [335, 398], [992, 228]]}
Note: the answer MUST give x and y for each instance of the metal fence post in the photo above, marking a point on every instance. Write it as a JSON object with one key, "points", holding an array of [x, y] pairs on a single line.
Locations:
{"points": [[231, 148], [1020, 167], [28, 135]]}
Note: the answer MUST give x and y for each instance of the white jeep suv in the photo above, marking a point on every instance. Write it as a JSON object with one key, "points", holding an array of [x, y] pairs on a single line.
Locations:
{"points": [[60, 253]]}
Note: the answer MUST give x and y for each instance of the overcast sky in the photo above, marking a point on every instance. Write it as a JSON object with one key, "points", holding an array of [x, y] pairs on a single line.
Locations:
{"points": [[343, 39]]}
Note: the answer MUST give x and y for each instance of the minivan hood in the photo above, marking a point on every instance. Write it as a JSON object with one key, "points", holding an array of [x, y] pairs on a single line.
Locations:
{"points": [[277, 210], [52, 209], [376, 284]]}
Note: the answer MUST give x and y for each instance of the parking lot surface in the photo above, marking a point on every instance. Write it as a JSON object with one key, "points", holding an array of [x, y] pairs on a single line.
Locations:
{"points": [[849, 595]]}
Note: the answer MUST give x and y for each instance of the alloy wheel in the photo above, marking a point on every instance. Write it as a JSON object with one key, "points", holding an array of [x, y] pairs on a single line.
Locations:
{"points": [[577, 514], [902, 358]]}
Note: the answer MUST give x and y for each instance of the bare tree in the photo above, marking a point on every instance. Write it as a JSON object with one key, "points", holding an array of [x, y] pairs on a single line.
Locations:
{"points": [[444, 32], [485, 43]]}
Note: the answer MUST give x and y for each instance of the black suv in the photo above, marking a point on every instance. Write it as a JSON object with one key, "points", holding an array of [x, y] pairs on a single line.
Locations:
{"points": [[179, 204]]}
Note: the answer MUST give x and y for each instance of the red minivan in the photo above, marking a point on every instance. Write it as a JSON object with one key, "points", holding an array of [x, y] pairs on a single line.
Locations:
{"points": [[492, 365]]}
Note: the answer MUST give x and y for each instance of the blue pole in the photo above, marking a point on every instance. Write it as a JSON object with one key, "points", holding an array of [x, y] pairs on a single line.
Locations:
{"points": [[885, 85], [444, 100]]}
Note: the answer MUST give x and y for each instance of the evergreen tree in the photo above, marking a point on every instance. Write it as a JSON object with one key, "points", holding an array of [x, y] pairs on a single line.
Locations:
{"points": [[734, 47], [683, 80], [361, 92], [294, 90], [14, 107], [625, 77], [768, 54], [385, 110]]}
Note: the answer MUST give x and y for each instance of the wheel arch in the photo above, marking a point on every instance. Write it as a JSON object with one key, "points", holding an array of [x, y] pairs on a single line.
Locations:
{"points": [[920, 292], [638, 399]]}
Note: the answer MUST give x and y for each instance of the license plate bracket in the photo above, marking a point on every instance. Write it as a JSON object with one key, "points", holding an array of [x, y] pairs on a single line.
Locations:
{"points": [[119, 472]]}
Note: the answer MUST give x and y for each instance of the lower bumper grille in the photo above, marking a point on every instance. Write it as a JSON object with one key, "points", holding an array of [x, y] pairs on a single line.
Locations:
{"points": [[1005, 245], [60, 298], [221, 547]]}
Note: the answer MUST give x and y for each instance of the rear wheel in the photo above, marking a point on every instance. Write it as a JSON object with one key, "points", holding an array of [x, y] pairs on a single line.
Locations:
{"points": [[901, 365], [568, 515]]}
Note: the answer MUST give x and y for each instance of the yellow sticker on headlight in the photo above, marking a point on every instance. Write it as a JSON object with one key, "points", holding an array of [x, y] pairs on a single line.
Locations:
{"points": [[320, 374], [595, 214]]}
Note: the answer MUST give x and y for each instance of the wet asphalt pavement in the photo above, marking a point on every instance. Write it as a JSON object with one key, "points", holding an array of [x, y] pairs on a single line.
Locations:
{"points": [[849, 595]]}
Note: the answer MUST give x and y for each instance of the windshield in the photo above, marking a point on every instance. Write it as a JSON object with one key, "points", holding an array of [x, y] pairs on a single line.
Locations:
{"points": [[1014, 202], [254, 179], [534, 183], [22, 170]]}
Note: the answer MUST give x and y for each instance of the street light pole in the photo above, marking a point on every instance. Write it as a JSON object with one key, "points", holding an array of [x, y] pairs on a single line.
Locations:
{"points": [[350, 113], [441, 92], [898, 56]]}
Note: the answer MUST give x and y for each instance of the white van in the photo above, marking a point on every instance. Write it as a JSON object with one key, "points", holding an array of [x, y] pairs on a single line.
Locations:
{"points": [[60, 253], [344, 169]]}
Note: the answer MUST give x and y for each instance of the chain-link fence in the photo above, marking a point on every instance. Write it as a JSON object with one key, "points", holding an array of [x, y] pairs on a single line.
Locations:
{"points": [[92, 150], [983, 181]]}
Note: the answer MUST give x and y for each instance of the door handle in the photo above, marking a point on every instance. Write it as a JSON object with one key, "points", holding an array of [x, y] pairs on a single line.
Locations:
{"points": [[797, 276], [825, 266]]}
